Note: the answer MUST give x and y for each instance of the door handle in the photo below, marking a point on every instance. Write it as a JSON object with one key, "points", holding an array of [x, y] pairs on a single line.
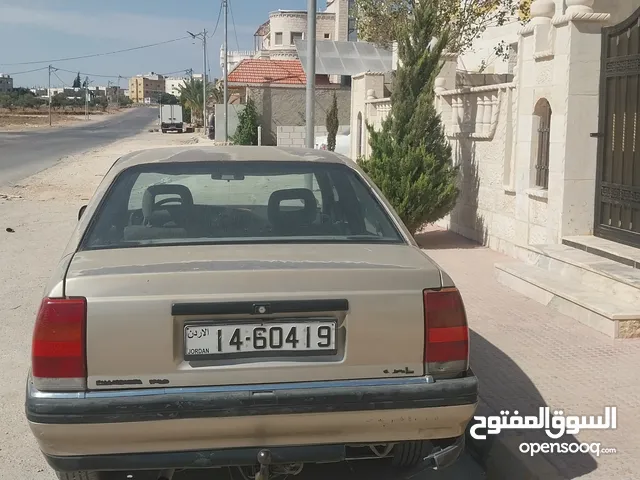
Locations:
{"points": [[597, 135]]}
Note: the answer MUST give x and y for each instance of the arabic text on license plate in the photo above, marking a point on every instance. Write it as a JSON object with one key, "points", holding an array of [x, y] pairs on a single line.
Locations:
{"points": [[286, 338]]}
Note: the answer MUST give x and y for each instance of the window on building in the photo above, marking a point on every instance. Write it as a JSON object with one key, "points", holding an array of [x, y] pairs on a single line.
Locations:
{"points": [[278, 38], [327, 36], [542, 117], [295, 36]]}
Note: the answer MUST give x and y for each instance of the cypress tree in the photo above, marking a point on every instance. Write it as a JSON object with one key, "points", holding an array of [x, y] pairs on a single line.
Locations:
{"points": [[332, 124], [410, 156]]}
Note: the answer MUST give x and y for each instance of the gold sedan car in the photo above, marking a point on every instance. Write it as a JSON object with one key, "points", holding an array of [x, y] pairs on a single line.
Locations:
{"points": [[259, 307]]}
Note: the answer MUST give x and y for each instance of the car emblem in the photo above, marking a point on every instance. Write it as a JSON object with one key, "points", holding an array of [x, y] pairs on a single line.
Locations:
{"points": [[261, 309]]}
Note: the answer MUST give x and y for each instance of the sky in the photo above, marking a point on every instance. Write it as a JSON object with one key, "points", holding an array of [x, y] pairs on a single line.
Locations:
{"points": [[35, 30]]}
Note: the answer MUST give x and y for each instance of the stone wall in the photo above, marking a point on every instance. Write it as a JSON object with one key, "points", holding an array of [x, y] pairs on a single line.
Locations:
{"points": [[285, 106], [233, 111], [495, 131], [479, 124], [295, 136]]}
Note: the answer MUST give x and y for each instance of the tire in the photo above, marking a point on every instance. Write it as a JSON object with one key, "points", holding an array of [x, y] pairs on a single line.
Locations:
{"points": [[164, 130], [410, 454], [80, 475]]}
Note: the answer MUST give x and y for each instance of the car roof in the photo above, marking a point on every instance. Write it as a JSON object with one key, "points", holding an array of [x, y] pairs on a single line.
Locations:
{"points": [[211, 153]]}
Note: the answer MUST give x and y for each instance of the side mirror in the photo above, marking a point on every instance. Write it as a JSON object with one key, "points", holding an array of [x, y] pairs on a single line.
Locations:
{"points": [[81, 211]]}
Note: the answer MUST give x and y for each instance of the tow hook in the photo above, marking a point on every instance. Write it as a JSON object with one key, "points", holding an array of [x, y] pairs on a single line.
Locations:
{"points": [[166, 474], [441, 458], [264, 459]]}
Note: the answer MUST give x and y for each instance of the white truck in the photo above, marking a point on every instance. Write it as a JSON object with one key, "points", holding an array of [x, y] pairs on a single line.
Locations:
{"points": [[171, 118]]}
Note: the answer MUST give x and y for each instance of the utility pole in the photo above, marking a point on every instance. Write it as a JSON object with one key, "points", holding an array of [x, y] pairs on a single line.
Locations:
{"points": [[106, 92], [86, 98], [49, 93], [204, 79], [203, 36], [225, 4], [311, 72]]}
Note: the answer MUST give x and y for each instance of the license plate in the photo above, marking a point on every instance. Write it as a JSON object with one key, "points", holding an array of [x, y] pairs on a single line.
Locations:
{"points": [[210, 341]]}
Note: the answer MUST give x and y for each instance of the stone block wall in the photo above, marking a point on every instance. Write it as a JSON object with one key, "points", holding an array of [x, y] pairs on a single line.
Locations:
{"points": [[285, 106], [295, 136]]}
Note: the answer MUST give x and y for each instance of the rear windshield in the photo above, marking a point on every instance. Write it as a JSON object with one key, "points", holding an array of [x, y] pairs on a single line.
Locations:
{"points": [[238, 202]]}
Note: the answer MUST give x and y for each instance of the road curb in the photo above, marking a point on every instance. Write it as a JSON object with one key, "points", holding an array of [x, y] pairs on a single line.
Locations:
{"points": [[502, 460]]}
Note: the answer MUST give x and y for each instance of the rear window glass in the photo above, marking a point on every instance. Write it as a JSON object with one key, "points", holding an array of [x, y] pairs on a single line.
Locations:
{"points": [[238, 202]]}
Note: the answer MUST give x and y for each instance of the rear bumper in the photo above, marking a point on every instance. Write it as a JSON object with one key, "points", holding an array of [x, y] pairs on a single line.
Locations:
{"points": [[231, 422], [198, 459]]}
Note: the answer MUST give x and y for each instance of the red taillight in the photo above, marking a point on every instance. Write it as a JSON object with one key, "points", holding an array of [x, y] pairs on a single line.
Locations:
{"points": [[58, 359], [446, 349]]}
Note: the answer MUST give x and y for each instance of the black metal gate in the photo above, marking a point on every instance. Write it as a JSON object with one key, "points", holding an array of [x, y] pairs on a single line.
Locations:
{"points": [[617, 209]]}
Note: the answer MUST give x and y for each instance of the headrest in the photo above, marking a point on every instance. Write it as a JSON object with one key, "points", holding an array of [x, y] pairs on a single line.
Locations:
{"points": [[295, 217], [149, 197]]}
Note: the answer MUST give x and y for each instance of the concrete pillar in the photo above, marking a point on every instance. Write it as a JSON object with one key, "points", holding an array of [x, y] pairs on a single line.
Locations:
{"points": [[579, 6], [578, 57], [363, 86], [446, 79]]}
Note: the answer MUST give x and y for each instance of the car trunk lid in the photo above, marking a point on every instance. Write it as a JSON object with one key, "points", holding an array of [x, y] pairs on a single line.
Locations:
{"points": [[156, 316]]}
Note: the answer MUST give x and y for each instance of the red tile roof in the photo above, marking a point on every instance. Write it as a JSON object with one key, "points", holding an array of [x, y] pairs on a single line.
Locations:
{"points": [[280, 72]]}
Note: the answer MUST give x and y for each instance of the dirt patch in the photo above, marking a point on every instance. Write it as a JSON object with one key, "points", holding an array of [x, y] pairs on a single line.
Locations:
{"points": [[36, 220], [23, 120]]}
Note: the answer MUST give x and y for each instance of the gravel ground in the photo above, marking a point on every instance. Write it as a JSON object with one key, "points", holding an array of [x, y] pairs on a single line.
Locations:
{"points": [[14, 123], [41, 213], [37, 217]]}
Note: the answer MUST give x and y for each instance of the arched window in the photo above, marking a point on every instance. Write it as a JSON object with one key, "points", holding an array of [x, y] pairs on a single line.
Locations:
{"points": [[359, 136], [542, 117]]}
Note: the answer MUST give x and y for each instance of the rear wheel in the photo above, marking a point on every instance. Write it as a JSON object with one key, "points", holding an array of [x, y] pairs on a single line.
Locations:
{"points": [[80, 475], [410, 454]]}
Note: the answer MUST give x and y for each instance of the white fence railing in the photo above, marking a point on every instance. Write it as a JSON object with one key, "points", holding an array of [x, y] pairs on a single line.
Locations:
{"points": [[473, 112]]}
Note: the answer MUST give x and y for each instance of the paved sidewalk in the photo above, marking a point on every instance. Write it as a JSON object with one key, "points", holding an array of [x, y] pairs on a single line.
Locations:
{"points": [[527, 356]]}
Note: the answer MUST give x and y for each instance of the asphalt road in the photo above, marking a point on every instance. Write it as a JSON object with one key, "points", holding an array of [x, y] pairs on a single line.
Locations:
{"points": [[27, 152]]}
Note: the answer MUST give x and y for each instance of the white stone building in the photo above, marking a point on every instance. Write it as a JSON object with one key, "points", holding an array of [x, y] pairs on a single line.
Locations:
{"points": [[235, 57], [549, 157], [6, 83], [275, 39], [172, 85]]}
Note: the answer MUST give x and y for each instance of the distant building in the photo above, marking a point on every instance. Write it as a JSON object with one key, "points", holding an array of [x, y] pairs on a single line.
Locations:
{"points": [[6, 83], [66, 91], [277, 88], [39, 92], [146, 88], [276, 38], [235, 57], [172, 85]]}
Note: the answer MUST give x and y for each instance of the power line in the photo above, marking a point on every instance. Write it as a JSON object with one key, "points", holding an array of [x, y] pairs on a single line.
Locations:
{"points": [[98, 54], [117, 76], [89, 74], [233, 22], [211, 36], [217, 21], [64, 84], [27, 71]]}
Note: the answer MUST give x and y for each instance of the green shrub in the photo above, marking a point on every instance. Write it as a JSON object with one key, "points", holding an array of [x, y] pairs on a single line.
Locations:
{"points": [[247, 131]]}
